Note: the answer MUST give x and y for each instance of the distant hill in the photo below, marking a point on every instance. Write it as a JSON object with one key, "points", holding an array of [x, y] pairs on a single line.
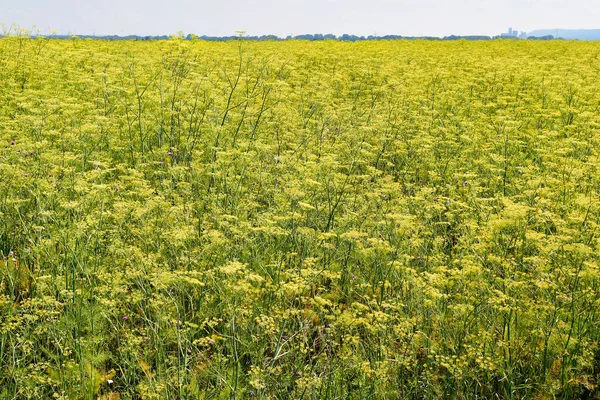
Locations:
{"points": [[573, 34]]}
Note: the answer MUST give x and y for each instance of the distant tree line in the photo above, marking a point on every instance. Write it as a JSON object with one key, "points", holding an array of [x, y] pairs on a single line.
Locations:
{"points": [[308, 37]]}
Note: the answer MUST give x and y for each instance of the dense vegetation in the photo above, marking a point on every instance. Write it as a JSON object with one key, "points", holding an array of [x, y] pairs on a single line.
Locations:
{"points": [[184, 219]]}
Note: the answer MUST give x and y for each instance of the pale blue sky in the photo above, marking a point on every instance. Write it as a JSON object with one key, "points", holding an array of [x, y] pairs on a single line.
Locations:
{"points": [[285, 17]]}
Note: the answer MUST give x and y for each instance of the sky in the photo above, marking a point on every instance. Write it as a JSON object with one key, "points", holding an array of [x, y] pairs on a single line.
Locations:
{"points": [[294, 17]]}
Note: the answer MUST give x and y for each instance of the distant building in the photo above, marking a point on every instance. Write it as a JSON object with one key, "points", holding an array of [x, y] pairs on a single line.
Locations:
{"points": [[513, 34]]}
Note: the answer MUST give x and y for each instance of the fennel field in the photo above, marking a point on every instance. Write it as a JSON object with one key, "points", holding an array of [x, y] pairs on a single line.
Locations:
{"points": [[326, 220]]}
